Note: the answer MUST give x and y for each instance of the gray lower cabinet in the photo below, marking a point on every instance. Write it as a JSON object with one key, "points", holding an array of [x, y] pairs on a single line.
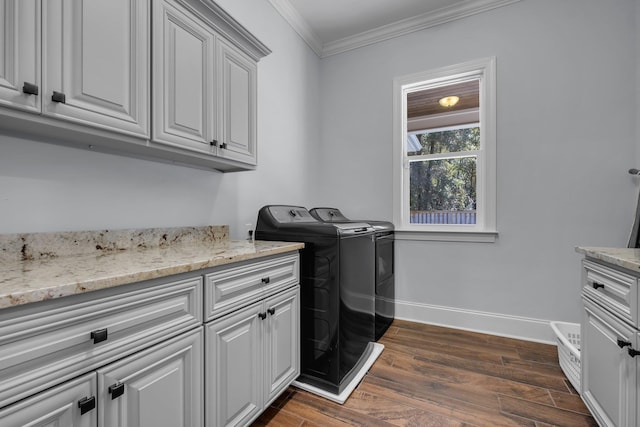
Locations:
{"points": [[58, 406], [160, 386], [610, 342], [143, 355], [105, 358], [252, 357]]}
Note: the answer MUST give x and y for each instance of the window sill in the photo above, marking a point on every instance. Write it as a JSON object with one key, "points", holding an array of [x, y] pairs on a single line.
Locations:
{"points": [[448, 236]]}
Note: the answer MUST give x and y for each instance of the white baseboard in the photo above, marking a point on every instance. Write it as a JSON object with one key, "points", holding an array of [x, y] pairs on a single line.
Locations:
{"points": [[477, 321]]}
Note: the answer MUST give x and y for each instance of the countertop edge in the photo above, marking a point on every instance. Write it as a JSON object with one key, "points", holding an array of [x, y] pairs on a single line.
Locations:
{"points": [[73, 287], [627, 258]]}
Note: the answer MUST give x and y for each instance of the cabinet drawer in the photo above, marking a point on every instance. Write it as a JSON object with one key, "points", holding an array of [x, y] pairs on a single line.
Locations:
{"points": [[612, 289], [230, 288], [45, 343]]}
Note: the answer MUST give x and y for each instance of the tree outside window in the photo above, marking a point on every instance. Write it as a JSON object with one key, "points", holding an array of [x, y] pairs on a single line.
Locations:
{"points": [[443, 190]]}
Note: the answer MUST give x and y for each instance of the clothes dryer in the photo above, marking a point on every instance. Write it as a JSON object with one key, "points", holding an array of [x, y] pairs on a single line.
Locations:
{"points": [[384, 263]]}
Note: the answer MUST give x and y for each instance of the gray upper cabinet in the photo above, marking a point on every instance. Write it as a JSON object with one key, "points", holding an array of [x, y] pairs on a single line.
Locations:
{"points": [[237, 87], [20, 54], [73, 69], [96, 63], [184, 93]]}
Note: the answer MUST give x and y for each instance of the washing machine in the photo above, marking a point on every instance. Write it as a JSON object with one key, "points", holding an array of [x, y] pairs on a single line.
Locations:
{"points": [[337, 301], [384, 264]]}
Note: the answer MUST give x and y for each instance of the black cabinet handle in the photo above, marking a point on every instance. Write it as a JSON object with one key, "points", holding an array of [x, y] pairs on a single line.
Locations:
{"points": [[633, 352], [623, 344], [99, 335], [271, 311], [58, 97], [262, 316], [86, 404], [223, 145], [597, 285], [266, 280], [214, 143], [30, 88], [116, 390]]}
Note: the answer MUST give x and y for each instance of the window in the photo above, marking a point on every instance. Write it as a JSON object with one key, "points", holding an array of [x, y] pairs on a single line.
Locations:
{"points": [[444, 153]]}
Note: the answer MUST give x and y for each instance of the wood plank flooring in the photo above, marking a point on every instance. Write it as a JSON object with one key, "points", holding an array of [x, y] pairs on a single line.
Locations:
{"points": [[434, 376]]}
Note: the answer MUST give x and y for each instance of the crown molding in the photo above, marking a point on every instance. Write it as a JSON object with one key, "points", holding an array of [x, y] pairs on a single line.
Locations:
{"points": [[410, 25], [299, 24], [386, 32]]}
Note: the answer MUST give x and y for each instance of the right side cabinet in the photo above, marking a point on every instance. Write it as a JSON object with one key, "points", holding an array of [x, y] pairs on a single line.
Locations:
{"points": [[610, 345]]}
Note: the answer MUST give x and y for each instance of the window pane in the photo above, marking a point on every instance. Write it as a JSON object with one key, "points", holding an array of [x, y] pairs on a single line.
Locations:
{"points": [[443, 191], [448, 141]]}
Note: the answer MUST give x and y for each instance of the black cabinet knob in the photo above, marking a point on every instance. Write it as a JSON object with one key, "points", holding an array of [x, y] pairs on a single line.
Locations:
{"points": [[223, 145], [597, 285], [99, 335], [214, 143], [30, 88], [58, 97], [266, 280], [271, 311], [623, 343], [86, 404], [262, 316], [633, 352], [116, 390]]}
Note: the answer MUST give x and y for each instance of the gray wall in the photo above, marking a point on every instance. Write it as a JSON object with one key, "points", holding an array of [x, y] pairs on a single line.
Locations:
{"points": [[565, 135], [51, 188]]}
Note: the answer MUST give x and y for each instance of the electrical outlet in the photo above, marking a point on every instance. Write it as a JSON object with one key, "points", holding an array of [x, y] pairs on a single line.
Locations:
{"points": [[249, 231]]}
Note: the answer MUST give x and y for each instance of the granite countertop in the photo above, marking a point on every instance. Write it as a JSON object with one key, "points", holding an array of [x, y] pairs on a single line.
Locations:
{"points": [[628, 258], [42, 266]]}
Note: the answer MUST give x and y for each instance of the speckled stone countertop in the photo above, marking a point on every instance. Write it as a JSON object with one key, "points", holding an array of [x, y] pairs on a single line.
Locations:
{"points": [[628, 258], [40, 266]]}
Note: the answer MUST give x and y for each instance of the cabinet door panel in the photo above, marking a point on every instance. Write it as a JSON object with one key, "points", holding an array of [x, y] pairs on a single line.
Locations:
{"points": [[19, 53], [162, 386], [608, 372], [183, 80], [55, 407], [282, 361], [238, 79], [96, 53], [233, 366]]}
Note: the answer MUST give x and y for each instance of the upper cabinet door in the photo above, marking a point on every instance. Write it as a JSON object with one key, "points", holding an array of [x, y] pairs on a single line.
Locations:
{"points": [[183, 82], [20, 54], [96, 63], [238, 77]]}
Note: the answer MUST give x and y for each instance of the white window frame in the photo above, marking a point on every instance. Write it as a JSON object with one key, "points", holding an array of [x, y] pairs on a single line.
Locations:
{"points": [[485, 228]]}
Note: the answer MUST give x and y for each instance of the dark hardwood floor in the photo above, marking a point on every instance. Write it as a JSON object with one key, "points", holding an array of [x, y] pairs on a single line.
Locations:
{"points": [[435, 376]]}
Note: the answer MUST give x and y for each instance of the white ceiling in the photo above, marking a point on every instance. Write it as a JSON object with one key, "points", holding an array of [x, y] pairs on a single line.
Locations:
{"points": [[334, 26], [331, 20]]}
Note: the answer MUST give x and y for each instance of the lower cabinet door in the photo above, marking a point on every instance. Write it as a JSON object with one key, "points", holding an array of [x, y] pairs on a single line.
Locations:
{"points": [[609, 374], [282, 340], [158, 387], [72, 404], [233, 367]]}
